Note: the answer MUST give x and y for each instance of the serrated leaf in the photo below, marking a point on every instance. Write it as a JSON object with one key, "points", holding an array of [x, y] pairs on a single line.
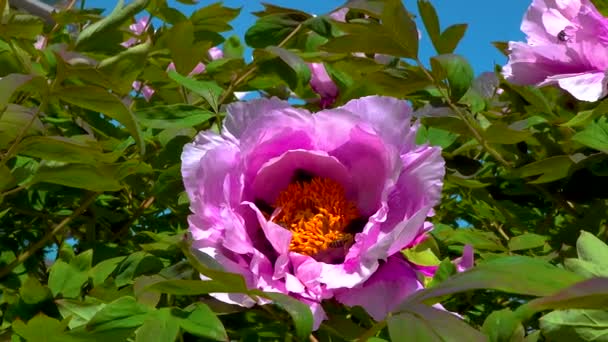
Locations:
{"points": [[67, 279], [42, 328], [32, 292]]}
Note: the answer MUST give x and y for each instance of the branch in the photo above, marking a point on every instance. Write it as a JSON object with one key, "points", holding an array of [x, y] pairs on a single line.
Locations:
{"points": [[48, 236]]}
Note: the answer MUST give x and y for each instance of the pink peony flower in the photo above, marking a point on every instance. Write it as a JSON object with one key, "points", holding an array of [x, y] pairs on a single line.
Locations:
{"points": [[566, 45], [138, 28], [146, 90], [314, 206], [322, 84]]}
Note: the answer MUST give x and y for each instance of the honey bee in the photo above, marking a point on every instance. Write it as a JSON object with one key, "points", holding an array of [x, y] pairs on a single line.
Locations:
{"points": [[344, 241]]}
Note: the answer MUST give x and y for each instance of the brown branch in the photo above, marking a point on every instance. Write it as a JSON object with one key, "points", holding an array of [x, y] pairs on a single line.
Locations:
{"points": [[32, 249]]}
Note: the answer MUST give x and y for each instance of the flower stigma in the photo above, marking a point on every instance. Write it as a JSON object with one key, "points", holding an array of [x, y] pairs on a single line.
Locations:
{"points": [[317, 213]]}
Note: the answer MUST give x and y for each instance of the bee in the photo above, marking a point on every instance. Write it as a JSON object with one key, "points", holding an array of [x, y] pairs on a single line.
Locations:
{"points": [[562, 36], [343, 242]]}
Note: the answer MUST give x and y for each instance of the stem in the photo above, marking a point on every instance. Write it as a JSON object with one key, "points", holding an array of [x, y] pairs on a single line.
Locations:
{"points": [[464, 118], [48, 236], [14, 190], [253, 67], [142, 207]]}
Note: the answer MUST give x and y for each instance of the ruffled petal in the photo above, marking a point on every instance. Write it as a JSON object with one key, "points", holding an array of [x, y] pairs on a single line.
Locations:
{"points": [[394, 281], [389, 118], [276, 174]]}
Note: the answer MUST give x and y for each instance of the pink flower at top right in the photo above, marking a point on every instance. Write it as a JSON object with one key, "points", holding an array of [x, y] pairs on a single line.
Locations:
{"points": [[567, 46]]}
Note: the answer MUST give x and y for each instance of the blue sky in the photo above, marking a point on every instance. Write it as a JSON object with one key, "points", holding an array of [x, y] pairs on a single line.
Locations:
{"points": [[488, 21]]}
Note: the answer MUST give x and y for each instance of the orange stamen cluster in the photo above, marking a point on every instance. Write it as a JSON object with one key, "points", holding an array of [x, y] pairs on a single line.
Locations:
{"points": [[316, 212]]}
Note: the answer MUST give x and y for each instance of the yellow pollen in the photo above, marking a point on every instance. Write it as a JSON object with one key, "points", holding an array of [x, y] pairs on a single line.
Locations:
{"points": [[317, 213]]}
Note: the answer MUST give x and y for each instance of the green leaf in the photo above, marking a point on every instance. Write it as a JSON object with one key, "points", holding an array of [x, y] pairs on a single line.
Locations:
{"points": [[587, 294], [513, 274], [480, 240], [42, 328], [9, 84], [592, 249], [13, 120], [430, 324], [123, 68], [595, 135], [184, 52], [68, 279], [400, 26], [214, 18], [209, 90], [136, 264], [430, 20], [585, 268], [100, 100], [65, 150], [500, 133], [173, 116], [119, 15], [102, 270], [124, 312], [575, 325], [24, 26], [407, 326], [150, 298], [294, 61], [32, 292], [233, 48], [272, 29], [450, 38], [299, 312], [526, 241], [103, 177], [200, 321], [366, 38], [456, 70], [550, 169], [436, 136], [159, 326], [77, 311], [503, 326]]}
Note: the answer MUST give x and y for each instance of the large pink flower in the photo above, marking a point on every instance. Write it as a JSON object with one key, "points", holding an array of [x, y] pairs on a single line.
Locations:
{"points": [[322, 84], [314, 205], [567, 45]]}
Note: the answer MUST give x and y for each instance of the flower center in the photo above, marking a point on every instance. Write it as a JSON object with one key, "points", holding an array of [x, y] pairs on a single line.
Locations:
{"points": [[317, 212]]}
